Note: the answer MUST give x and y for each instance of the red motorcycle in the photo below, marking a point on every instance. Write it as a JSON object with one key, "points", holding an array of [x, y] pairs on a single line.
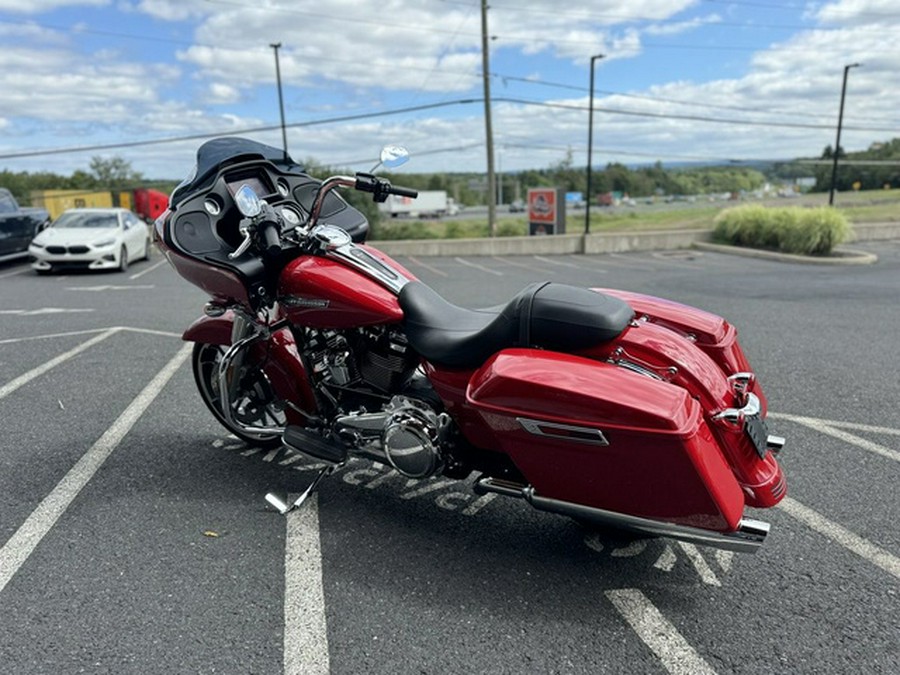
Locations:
{"points": [[614, 408]]}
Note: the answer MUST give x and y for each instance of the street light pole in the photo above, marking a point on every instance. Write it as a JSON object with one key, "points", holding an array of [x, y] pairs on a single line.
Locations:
{"points": [[837, 143], [276, 46], [590, 152]]}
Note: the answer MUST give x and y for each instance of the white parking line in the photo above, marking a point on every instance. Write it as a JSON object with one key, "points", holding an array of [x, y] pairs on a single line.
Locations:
{"points": [[20, 546], [111, 287], [512, 263], [462, 261], [550, 261], [841, 535], [25, 378], [305, 632], [674, 652], [148, 270], [430, 268], [51, 336], [828, 428]]}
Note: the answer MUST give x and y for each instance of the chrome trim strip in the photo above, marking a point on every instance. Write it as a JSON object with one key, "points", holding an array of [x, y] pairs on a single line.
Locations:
{"points": [[590, 435], [365, 262]]}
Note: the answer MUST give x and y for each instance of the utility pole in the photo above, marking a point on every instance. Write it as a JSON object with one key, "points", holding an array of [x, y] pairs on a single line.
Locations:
{"points": [[488, 132], [837, 143], [276, 46], [590, 159]]}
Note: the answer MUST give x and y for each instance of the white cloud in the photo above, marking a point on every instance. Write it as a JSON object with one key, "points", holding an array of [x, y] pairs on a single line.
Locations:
{"points": [[41, 6], [848, 12]]}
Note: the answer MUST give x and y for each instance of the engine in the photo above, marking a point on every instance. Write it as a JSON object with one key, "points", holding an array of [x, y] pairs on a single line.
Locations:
{"points": [[368, 378], [378, 359]]}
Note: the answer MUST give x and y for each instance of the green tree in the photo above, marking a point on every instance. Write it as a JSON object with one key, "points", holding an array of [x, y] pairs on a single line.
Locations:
{"points": [[114, 172]]}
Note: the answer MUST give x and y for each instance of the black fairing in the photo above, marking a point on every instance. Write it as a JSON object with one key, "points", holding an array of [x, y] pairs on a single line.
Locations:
{"points": [[210, 236]]}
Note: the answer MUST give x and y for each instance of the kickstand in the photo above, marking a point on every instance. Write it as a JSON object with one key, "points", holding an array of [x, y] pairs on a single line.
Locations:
{"points": [[281, 504]]}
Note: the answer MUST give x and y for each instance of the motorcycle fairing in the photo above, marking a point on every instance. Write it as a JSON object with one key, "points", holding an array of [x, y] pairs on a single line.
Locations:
{"points": [[592, 433]]}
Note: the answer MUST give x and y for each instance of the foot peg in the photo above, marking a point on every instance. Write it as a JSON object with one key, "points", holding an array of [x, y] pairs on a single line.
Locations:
{"points": [[284, 508]]}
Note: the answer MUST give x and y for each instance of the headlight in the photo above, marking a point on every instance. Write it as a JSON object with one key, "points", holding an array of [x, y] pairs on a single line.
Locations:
{"points": [[37, 245], [104, 243]]}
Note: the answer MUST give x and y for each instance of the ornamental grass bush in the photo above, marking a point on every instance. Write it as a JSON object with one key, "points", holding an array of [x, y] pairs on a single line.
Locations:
{"points": [[789, 229]]}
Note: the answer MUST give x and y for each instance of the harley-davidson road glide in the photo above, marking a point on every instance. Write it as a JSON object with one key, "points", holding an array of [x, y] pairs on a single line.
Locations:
{"points": [[613, 408]]}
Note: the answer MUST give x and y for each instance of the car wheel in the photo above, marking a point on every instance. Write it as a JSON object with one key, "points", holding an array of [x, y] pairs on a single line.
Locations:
{"points": [[146, 255], [123, 259], [43, 273]]}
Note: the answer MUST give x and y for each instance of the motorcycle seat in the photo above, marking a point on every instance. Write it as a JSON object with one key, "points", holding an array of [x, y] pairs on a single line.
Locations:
{"points": [[546, 315]]}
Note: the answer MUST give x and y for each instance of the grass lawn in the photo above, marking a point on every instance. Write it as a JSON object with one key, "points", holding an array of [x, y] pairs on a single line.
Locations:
{"points": [[860, 207]]}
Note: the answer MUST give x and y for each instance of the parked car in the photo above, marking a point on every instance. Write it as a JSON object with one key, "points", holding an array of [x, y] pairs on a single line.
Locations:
{"points": [[517, 206], [18, 225], [93, 239]]}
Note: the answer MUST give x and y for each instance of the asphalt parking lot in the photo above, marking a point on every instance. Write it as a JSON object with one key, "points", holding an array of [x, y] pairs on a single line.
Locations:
{"points": [[134, 537]]}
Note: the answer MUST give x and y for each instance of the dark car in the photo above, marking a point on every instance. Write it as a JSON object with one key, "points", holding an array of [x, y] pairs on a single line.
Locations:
{"points": [[18, 226]]}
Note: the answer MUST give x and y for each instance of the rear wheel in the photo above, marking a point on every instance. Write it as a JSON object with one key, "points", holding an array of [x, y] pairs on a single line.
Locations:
{"points": [[255, 403]]}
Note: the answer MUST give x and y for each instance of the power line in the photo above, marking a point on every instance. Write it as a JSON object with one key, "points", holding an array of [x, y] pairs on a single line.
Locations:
{"points": [[661, 99], [431, 106], [233, 132]]}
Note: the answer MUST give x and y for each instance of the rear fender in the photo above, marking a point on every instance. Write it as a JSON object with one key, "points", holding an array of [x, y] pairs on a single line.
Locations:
{"points": [[711, 333]]}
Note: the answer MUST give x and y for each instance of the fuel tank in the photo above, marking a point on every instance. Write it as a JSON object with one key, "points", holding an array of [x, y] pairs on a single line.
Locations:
{"points": [[319, 292]]}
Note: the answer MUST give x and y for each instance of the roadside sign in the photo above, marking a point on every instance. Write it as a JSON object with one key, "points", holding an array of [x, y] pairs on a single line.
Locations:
{"points": [[546, 211]]}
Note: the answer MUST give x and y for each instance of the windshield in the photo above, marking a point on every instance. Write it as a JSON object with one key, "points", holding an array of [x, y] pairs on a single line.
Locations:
{"points": [[219, 152], [85, 219]]}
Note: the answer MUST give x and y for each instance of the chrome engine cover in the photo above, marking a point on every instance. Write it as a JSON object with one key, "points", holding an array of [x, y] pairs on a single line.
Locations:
{"points": [[411, 438], [407, 433]]}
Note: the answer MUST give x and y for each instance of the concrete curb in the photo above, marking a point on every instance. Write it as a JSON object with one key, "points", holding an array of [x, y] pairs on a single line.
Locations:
{"points": [[592, 244], [841, 256]]}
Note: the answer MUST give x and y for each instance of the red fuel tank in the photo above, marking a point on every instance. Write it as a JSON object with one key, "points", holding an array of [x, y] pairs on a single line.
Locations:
{"points": [[322, 293]]}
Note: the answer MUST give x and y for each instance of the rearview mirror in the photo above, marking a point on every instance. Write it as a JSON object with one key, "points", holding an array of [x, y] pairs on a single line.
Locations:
{"points": [[393, 156]]}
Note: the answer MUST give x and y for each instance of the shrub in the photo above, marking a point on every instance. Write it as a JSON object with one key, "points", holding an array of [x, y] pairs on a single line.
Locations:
{"points": [[790, 230], [410, 229]]}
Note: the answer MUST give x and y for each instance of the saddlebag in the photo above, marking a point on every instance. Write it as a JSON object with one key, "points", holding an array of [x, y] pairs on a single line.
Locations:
{"points": [[591, 433]]}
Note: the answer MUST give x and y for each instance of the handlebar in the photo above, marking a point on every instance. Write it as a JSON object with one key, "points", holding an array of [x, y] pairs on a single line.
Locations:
{"points": [[271, 239], [265, 228]]}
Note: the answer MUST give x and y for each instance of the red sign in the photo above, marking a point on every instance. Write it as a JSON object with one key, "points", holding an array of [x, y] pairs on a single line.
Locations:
{"points": [[542, 205]]}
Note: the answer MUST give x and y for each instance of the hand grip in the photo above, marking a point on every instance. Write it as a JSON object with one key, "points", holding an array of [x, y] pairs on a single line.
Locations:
{"points": [[271, 239], [404, 192]]}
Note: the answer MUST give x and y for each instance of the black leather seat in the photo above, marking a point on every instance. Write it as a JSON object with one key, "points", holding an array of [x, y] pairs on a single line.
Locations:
{"points": [[551, 316]]}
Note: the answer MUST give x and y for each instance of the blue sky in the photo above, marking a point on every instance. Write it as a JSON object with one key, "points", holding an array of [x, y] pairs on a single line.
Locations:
{"points": [[680, 79]]}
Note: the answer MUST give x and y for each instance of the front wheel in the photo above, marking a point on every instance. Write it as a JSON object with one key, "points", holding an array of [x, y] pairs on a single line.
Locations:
{"points": [[254, 404]]}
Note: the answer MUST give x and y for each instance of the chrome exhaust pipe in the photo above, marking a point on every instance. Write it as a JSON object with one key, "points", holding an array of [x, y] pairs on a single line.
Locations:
{"points": [[747, 538]]}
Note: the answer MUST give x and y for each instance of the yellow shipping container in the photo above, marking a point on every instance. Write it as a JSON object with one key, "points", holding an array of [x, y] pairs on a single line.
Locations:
{"points": [[57, 201]]}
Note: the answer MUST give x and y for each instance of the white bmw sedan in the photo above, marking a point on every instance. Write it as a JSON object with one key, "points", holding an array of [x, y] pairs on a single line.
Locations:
{"points": [[93, 239]]}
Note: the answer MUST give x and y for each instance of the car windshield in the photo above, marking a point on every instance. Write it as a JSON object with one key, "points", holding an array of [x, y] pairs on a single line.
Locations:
{"points": [[84, 219]]}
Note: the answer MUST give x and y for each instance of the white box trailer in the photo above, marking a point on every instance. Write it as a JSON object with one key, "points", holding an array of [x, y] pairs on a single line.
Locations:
{"points": [[429, 204]]}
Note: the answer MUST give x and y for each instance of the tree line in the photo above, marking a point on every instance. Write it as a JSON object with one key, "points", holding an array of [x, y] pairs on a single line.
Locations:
{"points": [[469, 188]]}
